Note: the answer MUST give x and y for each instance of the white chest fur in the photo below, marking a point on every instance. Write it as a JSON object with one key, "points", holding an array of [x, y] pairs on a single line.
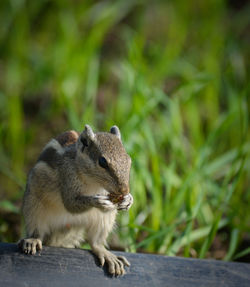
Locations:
{"points": [[94, 223]]}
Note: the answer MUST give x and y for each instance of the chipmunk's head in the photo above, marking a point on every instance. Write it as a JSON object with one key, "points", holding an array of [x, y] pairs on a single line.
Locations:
{"points": [[105, 159]]}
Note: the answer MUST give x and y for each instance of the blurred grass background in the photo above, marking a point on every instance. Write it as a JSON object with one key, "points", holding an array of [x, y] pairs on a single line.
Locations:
{"points": [[173, 75]]}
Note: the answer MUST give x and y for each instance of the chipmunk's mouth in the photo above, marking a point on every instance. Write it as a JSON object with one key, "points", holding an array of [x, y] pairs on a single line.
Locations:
{"points": [[113, 192], [119, 192]]}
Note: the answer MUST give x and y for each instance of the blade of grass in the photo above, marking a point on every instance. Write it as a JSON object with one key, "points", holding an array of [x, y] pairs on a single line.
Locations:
{"points": [[233, 245], [242, 253]]}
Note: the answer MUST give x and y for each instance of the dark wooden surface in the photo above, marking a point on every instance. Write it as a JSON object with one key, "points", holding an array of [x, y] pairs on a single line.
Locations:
{"points": [[74, 267]]}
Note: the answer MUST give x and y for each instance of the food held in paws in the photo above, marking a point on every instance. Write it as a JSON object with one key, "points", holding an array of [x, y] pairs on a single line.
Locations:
{"points": [[116, 198]]}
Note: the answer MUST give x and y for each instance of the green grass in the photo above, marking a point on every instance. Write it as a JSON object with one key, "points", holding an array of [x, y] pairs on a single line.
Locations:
{"points": [[173, 75]]}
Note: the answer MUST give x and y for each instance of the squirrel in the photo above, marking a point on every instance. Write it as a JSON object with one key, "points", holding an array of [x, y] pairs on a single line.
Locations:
{"points": [[74, 191]]}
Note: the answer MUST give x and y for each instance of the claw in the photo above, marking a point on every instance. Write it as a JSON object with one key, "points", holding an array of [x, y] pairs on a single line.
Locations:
{"points": [[102, 260], [30, 245], [124, 260], [115, 263]]}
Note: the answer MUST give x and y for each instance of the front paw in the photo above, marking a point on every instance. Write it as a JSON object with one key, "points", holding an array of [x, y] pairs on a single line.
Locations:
{"points": [[30, 245], [103, 202], [126, 203]]}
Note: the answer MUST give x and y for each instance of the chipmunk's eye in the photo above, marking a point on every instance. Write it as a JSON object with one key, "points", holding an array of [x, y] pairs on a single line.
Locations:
{"points": [[102, 162]]}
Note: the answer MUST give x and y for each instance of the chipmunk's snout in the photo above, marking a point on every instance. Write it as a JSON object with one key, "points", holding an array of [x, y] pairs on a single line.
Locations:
{"points": [[124, 190]]}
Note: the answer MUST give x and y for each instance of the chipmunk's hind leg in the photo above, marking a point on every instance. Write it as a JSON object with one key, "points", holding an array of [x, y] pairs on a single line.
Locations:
{"points": [[116, 264], [30, 245]]}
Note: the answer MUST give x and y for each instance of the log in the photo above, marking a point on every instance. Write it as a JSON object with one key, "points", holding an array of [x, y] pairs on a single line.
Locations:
{"points": [[77, 267]]}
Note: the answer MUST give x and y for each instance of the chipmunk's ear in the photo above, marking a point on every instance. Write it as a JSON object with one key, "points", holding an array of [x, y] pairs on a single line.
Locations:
{"points": [[89, 133], [115, 131], [85, 138]]}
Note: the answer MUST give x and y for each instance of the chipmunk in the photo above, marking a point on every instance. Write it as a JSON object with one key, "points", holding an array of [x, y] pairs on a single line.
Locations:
{"points": [[74, 191]]}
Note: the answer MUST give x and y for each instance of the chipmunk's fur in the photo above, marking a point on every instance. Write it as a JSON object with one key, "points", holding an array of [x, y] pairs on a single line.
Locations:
{"points": [[67, 197]]}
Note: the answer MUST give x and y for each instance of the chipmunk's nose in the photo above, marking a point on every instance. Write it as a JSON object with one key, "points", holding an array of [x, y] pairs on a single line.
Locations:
{"points": [[124, 190]]}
